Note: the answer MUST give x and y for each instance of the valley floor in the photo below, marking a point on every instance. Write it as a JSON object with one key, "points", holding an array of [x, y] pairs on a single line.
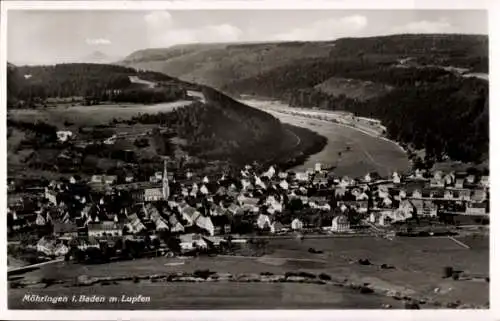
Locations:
{"points": [[418, 273]]}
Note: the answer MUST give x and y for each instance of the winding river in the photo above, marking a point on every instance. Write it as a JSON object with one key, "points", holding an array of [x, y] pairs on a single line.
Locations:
{"points": [[352, 151]]}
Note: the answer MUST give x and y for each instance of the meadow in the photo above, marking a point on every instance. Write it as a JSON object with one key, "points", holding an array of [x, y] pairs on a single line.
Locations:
{"points": [[418, 270]]}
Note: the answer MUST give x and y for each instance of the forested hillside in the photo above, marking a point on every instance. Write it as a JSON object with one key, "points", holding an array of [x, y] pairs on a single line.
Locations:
{"points": [[422, 102], [224, 129], [216, 65], [101, 82], [429, 108]]}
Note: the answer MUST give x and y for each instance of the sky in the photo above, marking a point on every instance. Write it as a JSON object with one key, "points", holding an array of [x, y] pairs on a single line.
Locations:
{"points": [[48, 37]]}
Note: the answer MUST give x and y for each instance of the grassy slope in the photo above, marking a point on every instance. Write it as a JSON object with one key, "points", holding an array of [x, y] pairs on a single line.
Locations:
{"points": [[215, 65], [219, 64]]}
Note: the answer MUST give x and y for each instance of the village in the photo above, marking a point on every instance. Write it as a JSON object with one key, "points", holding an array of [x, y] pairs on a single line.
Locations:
{"points": [[178, 214]]}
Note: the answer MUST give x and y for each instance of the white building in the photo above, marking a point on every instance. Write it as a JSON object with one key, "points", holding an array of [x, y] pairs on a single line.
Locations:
{"points": [[297, 224], [340, 224]]}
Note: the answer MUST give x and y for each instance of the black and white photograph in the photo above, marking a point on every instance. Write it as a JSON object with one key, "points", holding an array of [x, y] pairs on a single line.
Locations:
{"points": [[255, 159]]}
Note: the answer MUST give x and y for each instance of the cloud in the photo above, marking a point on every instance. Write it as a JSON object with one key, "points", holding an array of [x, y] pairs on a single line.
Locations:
{"points": [[98, 41], [425, 26], [163, 32], [327, 29], [158, 20]]}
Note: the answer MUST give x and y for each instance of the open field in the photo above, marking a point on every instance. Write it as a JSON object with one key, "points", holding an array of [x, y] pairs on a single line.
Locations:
{"points": [[90, 115], [418, 263]]}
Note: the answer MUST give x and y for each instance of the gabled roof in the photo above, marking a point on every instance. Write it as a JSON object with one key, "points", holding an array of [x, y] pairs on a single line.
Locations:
{"points": [[65, 227]]}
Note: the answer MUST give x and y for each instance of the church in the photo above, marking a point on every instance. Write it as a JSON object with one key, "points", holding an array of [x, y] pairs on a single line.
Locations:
{"points": [[158, 193]]}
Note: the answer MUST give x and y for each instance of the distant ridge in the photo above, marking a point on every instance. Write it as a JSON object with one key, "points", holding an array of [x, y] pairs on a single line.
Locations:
{"points": [[100, 58], [219, 64]]}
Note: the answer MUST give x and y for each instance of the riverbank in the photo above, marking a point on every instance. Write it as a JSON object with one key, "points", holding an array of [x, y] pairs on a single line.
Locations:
{"points": [[317, 114], [349, 150]]}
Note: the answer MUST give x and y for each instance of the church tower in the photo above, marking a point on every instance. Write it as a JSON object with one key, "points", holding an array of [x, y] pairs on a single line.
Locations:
{"points": [[166, 189]]}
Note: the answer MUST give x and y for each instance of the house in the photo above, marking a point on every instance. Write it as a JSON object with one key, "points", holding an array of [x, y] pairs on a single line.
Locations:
{"points": [[407, 208], [61, 249], [246, 185], [135, 225], [84, 244], [40, 220], [64, 135], [297, 224], [387, 202], [437, 182], [102, 229], [222, 224], [51, 196], [362, 196], [175, 225], [464, 194], [264, 222], [340, 223], [396, 179], [449, 179], [274, 204], [284, 185], [419, 174], [339, 191], [46, 246], [381, 218], [301, 176], [189, 213], [484, 181], [277, 227], [110, 179], [65, 229], [161, 224], [234, 209], [205, 223], [153, 194], [88, 211], [361, 206], [450, 194], [75, 179], [216, 210], [190, 242], [425, 207], [476, 208], [479, 195], [104, 179]]}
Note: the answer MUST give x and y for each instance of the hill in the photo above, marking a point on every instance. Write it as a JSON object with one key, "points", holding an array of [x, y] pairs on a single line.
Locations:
{"points": [[413, 83], [218, 64], [29, 85], [219, 129], [99, 57], [224, 129]]}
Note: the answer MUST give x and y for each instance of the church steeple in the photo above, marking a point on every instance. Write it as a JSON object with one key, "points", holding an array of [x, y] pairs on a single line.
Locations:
{"points": [[166, 189]]}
